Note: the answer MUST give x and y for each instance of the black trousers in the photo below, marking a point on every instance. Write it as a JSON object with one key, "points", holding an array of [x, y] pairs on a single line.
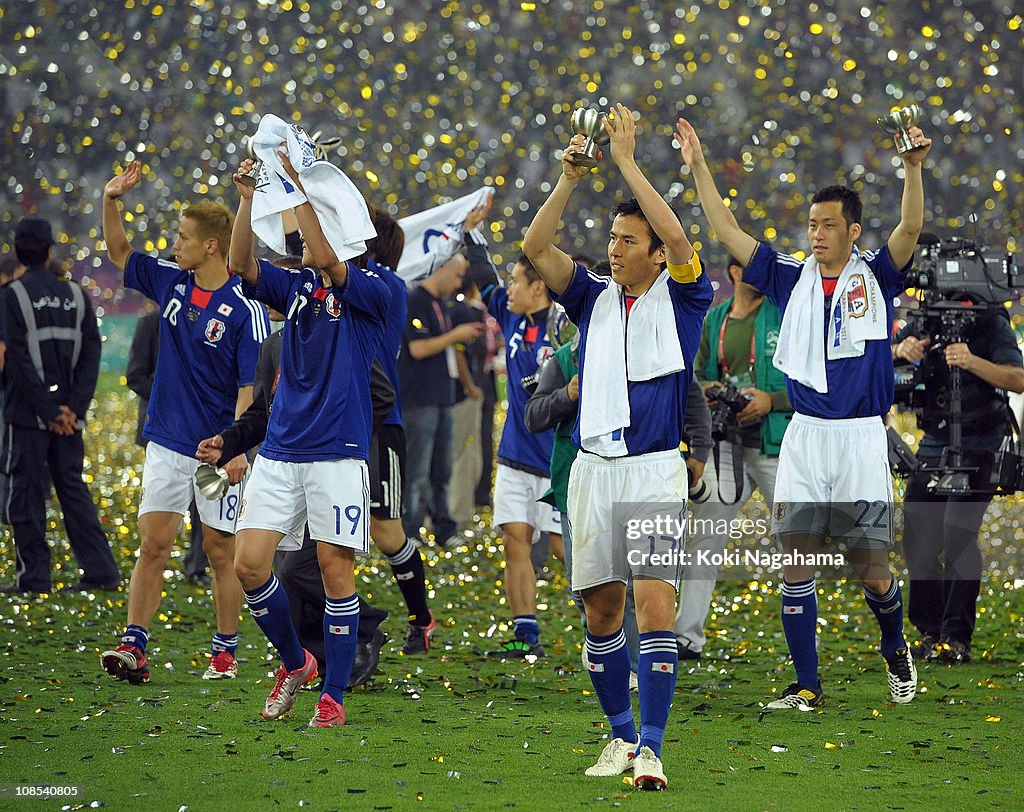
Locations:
{"points": [[940, 543], [299, 573], [29, 454]]}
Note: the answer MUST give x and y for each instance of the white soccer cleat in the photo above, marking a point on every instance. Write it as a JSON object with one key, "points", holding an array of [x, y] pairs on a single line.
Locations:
{"points": [[615, 759], [647, 771], [283, 694], [901, 674]]}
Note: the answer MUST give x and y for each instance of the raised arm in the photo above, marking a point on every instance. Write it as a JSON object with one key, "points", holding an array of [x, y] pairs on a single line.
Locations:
{"points": [[621, 129], [554, 265], [320, 250], [240, 252], [114, 235], [903, 239], [728, 232]]}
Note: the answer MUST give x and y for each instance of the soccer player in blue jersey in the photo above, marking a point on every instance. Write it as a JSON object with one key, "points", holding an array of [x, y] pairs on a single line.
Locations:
{"points": [[209, 341], [840, 382], [524, 458], [312, 465], [639, 333]]}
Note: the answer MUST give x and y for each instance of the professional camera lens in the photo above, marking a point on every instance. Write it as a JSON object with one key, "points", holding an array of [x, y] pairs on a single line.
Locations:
{"points": [[699, 493]]}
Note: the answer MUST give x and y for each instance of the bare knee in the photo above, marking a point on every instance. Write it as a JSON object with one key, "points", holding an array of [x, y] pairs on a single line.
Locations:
{"points": [[876, 586]]}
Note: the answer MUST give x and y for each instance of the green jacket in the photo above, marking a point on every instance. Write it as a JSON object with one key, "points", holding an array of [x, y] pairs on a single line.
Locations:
{"points": [[563, 450], [766, 377]]}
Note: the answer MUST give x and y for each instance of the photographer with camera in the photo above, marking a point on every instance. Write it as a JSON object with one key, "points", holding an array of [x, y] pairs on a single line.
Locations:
{"points": [[749, 414], [941, 523]]}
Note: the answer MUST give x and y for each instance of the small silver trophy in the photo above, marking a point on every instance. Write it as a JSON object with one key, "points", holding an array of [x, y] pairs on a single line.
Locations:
{"points": [[252, 177], [588, 121], [212, 481], [898, 122]]}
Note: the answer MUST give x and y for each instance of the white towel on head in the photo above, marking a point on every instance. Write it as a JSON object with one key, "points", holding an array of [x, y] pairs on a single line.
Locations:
{"points": [[618, 350], [434, 235], [858, 315], [339, 206]]}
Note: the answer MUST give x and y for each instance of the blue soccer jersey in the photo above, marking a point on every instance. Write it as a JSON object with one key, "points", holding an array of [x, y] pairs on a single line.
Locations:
{"points": [[391, 346], [322, 408], [209, 343], [526, 348], [858, 387], [657, 407]]}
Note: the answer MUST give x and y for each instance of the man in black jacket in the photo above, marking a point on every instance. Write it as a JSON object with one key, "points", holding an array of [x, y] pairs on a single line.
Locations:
{"points": [[50, 372]]}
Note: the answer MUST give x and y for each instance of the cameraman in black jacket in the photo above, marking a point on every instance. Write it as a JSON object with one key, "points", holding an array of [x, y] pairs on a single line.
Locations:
{"points": [[940, 536]]}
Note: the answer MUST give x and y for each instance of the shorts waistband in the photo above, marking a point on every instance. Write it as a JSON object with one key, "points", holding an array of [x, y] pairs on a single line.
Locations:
{"points": [[638, 459], [838, 423]]}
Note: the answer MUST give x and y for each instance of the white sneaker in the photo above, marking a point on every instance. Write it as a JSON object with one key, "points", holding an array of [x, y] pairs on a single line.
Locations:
{"points": [[901, 674], [615, 759], [647, 771]]}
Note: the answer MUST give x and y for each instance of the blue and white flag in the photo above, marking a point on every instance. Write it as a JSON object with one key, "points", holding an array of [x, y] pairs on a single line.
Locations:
{"points": [[433, 236]]}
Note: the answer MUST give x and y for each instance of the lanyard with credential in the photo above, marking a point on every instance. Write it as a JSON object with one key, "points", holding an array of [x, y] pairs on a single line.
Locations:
{"points": [[721, 349]]}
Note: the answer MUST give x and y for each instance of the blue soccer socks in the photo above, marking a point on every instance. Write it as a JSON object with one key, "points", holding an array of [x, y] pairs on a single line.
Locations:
{"points": [[224, 642], [608, 662], [341, 625], [888, 608], [136, 636], [527, 629], [799, 620], [656, 680], [269, 607]]}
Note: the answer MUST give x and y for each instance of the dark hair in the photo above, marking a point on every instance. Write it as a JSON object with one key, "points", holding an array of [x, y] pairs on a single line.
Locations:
{"points": [[528, 269], [853, 209], [602, 268], [30, 252], [631, 208], [291, 261], [386, 248], [585, 260]]}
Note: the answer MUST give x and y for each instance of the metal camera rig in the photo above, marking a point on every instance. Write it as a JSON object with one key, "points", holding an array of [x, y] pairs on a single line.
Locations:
{"points": [[961, 282]]}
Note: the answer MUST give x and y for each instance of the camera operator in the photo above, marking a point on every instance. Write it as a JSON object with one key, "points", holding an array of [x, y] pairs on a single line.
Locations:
{"points": [[940, 535], [749, 414]]}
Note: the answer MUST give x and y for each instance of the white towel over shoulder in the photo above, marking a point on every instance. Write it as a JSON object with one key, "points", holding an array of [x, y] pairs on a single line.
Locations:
{"points": [[644, 347], [858, 315], [339, 206]]}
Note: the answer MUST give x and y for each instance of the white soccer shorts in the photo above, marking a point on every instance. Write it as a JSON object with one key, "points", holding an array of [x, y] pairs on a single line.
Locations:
{"points": [[834, 480], [332, 496], [516, 495], [627, 515], [169, 485]]}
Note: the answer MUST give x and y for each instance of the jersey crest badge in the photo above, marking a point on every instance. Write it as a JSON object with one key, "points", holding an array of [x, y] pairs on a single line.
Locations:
{"points": [[333, 305], [214, 330], [856, 297]]}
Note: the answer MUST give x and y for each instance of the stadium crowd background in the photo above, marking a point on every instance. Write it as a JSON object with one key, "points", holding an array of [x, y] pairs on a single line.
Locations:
{"points": [[432, 100]]}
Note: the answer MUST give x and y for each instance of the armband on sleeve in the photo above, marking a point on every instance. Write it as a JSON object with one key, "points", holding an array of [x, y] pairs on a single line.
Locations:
{"points": [[688, 271]]}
